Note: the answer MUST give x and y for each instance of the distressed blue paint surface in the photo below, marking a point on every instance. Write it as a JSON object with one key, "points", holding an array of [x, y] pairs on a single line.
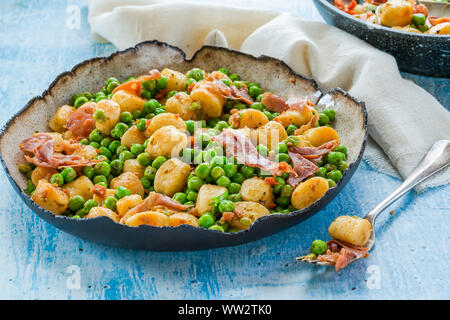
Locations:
{"points": [[411, 256]]}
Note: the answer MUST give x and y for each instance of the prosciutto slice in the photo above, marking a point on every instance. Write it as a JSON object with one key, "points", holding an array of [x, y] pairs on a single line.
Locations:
{"points": [[239, 146], [315, 152], [303, 168], [274, 103], [43, 148], [340, 254], [217, 86], [81, 122], [154, 199]]}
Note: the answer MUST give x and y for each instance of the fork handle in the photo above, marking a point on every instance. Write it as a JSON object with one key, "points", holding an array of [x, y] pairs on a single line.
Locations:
{"points": [[437, 158]]}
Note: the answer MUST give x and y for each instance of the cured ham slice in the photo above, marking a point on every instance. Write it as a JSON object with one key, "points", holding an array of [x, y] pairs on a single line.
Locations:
{"points": [[315, 152], [274, 103], [134, 86], [154, 199], [81, 122], [218, 87], [239, 146], [43, 148], [341, 254], [303, 168]]}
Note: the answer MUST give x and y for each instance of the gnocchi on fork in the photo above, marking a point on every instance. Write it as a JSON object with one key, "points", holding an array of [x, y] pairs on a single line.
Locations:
{"points": [[354, 237]]}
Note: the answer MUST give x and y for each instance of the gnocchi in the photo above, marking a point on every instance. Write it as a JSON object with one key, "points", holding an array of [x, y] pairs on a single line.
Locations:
{"points": [[171, 177], [166, 141], [353, 230]]}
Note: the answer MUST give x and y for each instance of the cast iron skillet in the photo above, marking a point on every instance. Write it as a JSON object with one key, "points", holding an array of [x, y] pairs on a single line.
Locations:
{"points": [[417, 53], [89, 75]]}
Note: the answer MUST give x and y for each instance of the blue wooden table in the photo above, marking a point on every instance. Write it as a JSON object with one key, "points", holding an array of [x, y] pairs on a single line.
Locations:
{"points": [[37, 261]]}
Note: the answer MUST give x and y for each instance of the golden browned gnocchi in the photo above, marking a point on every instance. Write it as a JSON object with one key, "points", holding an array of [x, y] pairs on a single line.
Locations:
{"points": [[175, 80], [133, 136], [127, 203], [205, 195], [320, 135], [164, 120], [211, 103], [151, 218], [171, 177], [133, 165], [353, 230], [308, 192], [247, 213], [271, 134], [42, 173], [249, 118], [108, 113], [130, 181], [181, 104], [50, 197], [127, 101], [81, 186], [101, 211], [177, 219], [166, 141], [57, 123], [257, 190]]}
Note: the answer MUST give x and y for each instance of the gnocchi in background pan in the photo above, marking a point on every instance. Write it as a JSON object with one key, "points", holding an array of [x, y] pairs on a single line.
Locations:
{"points": [[207, 149]]}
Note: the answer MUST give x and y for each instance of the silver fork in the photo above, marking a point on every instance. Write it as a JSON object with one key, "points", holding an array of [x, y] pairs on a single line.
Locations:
{"points": [[437, 158]]}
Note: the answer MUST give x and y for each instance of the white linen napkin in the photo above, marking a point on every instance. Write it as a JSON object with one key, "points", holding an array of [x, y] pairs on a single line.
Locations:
{"points": [[403, 119]]}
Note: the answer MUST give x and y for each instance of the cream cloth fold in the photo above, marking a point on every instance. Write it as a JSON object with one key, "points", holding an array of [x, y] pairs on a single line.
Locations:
{"points": [[404, 119]]}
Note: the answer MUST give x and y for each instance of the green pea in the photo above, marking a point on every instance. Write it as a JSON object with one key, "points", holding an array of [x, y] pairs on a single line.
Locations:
{"points": [[216, 227], [234, 187], [282, 157], [194, 183], [190, 125], [330, 167], [158, 162], [58, 179], [254, 91], [95, 145], [235, 77], [23, 168], [80, 101], [76, 203], [89, 204], [192, 195], [236, 197], [171, 94], [180, 197], [286, 191], [113, 145], [111, 86], [224, 70], [30, 187], [100, 179], [161, 83], [262, 150], [330, 113], [102, 168], [121, 149], [146, 94], [238, 178], [110, 79], [258, 106], [218, 161], [226, 81], [141, 124], [245, 221], [146, 183], [105, 152], [335, 157], [125, 155], [189, 81], [334, 175], [292, 140], [96, 136], [342, 166], [322, 172], [137, 149], [283, 201], [226, 206], [105, 143], [137, 114], [203, 170], [150, 173], [69, 174], [144, 159], [247, 171], [318, 247], [126, 117], [281, 148], [122, 192], [323, 119], [110, 203], [230, 169], [88, 172], [223, 181], [418, 19], [342, 149], [217, 172], [149, 85], [116, 167], [120, 129], [291, 129], [102, 158], [84, 142], [203, 140], [195, 73], [331, 183], [240, 106], [99, 115], [206, 221]]}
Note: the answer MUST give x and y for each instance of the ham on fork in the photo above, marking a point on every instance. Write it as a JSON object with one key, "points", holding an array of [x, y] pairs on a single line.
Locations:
{"points": [[239, 146], [341, 254]]}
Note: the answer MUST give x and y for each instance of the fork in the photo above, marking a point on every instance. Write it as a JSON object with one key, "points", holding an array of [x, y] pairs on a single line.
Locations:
{"points": [[437, 158]]}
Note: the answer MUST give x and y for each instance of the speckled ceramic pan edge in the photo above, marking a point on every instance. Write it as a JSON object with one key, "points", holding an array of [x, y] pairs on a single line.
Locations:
{"points": [[89, 75], [417, 53]]}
